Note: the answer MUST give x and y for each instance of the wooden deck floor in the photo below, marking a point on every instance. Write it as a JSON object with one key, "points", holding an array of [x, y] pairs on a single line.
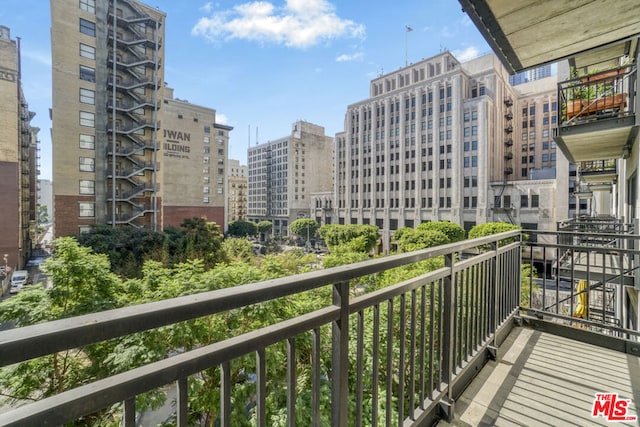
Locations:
{"points": [[540, 379]]}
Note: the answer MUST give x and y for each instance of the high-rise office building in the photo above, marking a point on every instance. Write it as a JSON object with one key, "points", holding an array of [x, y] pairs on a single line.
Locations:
{"points": [[124, 151], [428, 145], [237, 191], [107, 91], [531, 75], [18, 160], [285, 172]]}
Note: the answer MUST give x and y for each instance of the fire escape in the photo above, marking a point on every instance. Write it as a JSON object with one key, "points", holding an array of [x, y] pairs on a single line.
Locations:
{"points": [[133, 124], [498, 205]]}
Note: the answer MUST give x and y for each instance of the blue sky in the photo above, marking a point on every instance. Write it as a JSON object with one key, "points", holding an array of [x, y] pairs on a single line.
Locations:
{"points": [[266, 64]]}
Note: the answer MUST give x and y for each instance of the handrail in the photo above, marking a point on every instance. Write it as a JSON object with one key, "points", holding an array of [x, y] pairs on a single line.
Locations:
{"points": [[465, 329]]}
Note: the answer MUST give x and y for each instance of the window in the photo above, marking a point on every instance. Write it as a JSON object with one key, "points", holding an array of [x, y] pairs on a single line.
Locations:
{"points": [[524, 201], [474, 161], [205, 159], [466, 116], [535, 200], [87, 119], [206, 140], [474, 130], [205, 199], [87, 164], [532, 110], [87, 142], [87, 27], [87, 51], [474, 115], [88, 5], [545, 107], [87, 210], [88, 74], [87, 96], [205, 189], [87, 186], [220, 191], [205, 150]]}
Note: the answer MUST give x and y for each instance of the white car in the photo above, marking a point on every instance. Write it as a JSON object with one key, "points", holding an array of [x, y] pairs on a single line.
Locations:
{"points": [[19, 278]]}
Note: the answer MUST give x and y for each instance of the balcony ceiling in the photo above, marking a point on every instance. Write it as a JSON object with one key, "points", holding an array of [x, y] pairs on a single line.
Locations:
{"points": [[585, 143], [527, 34]]}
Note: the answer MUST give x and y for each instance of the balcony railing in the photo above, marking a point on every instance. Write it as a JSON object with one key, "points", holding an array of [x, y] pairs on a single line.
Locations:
{"points": [[426, 336], [603, 94], [430, 335]]}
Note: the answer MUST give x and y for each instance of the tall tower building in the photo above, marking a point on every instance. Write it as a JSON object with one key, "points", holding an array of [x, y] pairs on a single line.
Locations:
{"points": [[429, 144], [237, 180], [107, 92], [18, 160], [283, 174]]}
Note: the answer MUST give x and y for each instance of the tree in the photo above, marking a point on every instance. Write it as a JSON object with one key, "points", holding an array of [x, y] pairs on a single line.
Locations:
{"points": [[201, 240], [341, 234], [265, 226], [421, 239], [242, 228], [127, 247], [304, 227], [490, 228], [453, 231], [82, 283], [43, 214]]}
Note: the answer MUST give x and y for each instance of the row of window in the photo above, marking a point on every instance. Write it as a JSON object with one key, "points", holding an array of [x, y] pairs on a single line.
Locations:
{"points": [[525, 201]]}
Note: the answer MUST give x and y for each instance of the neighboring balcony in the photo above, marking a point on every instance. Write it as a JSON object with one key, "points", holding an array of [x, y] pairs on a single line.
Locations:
{"points": [[399, 355], [596, 115], [598, 171]]}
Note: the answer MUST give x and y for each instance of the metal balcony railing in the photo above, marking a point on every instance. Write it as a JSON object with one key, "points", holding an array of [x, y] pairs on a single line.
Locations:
{"points": [[598, 166], [430, 335], [601, 94]]}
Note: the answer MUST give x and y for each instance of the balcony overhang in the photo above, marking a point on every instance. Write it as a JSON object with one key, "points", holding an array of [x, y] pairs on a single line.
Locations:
{"points": [[526, 34], [601, 139]]}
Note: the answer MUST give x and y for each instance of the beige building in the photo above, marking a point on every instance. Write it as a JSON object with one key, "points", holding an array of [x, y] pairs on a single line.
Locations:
{"points": [[18, 160], [538, 190], [124, 151], [439, 140], [284, 173], [237, 180], [107, 90], [194, 160]]}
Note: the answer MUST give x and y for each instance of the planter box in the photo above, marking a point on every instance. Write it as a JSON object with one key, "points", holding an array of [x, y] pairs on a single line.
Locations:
{"points": [[614, 103]]}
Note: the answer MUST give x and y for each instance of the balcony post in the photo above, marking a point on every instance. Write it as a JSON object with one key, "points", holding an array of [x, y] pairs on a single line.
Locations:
{"points": [[493, 291], [448, 337], [339, 357]]}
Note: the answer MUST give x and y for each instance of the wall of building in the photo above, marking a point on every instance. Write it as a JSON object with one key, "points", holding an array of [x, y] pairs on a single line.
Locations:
{"points": [[101, 136], [194, 160], [18, 146]]}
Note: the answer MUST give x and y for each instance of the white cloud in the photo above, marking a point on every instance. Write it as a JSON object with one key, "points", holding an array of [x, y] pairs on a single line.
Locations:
{"points": [[222, 119], [299, 23], [353, 57], [207, 8], [466, 54]]}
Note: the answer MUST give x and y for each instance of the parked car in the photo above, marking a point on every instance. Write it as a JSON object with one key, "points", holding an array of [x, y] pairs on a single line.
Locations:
{"points": [[18, 280]]}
